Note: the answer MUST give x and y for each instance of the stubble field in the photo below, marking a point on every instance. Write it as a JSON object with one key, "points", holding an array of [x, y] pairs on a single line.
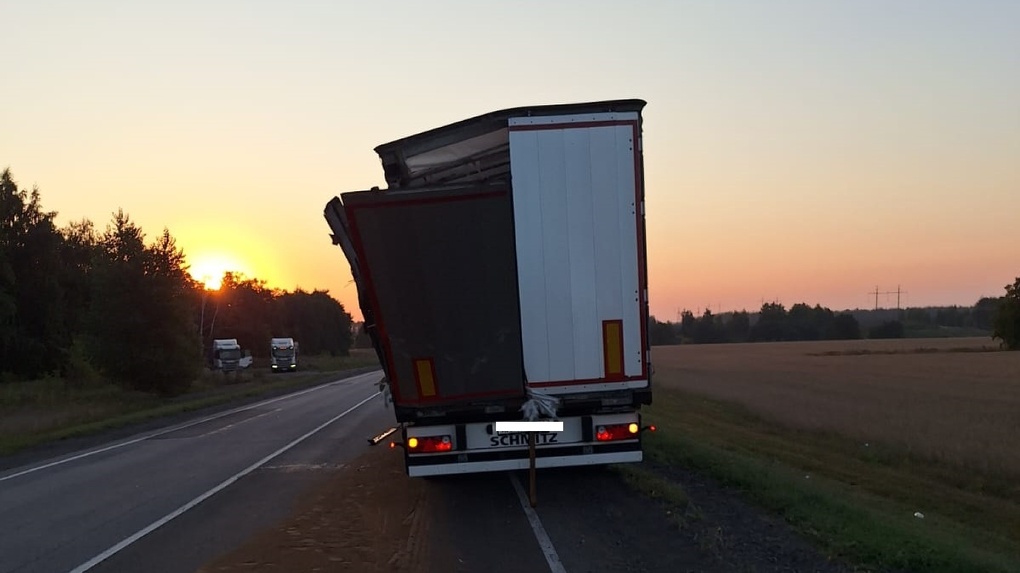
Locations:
{"points": [[896, 454], [956, 400]]}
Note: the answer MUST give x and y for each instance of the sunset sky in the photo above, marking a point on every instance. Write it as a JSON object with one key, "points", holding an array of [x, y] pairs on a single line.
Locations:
{"points": [[800, 151]]}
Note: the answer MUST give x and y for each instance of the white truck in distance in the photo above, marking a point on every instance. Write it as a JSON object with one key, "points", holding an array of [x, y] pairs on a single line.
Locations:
{"points": [[502, 278], [283, 354], [226, 355]]}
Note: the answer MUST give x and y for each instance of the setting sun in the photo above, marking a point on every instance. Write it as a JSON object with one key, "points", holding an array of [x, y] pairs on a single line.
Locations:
{"points": [[209, 268]]}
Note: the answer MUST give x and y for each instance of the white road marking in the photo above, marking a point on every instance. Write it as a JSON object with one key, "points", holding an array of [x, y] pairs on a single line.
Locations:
{"points": [[304, 467], [551, 557], [178, 427], [177, 512], [238, 423]]}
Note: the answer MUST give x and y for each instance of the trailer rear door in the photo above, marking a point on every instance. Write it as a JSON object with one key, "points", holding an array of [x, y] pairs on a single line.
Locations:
{"points": [[439, 272], [579, 215]]}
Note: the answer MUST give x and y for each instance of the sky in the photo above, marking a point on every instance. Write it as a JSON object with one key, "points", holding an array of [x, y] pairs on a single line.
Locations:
{"points": [[797, 151]]}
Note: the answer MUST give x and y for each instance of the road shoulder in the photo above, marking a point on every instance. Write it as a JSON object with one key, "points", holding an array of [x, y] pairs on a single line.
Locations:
{"points": [[50, 450]]}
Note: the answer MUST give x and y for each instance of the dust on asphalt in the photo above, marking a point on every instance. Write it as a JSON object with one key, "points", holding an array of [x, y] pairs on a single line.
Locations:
{"points": [[369, 516]]}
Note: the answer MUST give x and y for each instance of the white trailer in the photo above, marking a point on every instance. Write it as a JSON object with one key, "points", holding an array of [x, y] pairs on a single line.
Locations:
{"points": [[502, 276]]}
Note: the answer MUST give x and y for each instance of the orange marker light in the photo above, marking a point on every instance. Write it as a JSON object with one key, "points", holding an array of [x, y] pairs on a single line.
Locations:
{"points": [[412, 443], [633, 428]]}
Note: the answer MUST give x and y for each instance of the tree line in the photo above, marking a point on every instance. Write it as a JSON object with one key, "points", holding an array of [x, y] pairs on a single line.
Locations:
{"points": [[772, 324], [998, 317], [87, 305]]}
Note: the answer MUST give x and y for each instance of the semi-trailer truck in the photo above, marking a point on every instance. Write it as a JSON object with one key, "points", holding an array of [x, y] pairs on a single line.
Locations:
{"points": [[502, 276], [282, 354], [226, 355]]}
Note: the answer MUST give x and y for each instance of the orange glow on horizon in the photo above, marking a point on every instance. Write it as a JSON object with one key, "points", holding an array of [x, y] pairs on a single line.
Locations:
{"points": [[210, 268]]}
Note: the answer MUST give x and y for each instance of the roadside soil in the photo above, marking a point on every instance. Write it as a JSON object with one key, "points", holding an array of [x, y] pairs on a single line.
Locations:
{"points": [[366, 517]]}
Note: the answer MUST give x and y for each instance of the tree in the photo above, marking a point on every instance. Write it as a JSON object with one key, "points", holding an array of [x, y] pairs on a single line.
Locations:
{"points": [[1006, 327], [79, 250], [772, 324], [845, 327], [359, 337], [687, 325], [707, 330], [917, 317], [984, 311], [80, 247], [950, 316], [243, 309], [33, 338], [320, 322], [738, 328], [661, 333], [805, 323], [140, 330], [888, 329]]}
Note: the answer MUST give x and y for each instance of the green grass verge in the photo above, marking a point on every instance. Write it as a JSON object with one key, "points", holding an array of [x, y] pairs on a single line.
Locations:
{"points": [[82, 412], [673, 497], [853, 501]]}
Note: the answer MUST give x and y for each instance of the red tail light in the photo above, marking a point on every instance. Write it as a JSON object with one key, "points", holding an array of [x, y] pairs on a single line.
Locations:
{"points": [[610, 432], [430, 444]]}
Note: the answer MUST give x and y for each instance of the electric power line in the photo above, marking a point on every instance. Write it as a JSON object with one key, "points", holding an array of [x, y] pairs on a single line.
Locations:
{"points": [[896, 292]]}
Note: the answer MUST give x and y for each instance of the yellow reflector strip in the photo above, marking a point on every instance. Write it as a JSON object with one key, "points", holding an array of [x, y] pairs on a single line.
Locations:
{"points": [[612, 341], [426, 381]]}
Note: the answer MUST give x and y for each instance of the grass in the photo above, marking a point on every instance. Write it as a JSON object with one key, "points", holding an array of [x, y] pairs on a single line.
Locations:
{"points": [[37, 412], [653, 486], [786, 427]]}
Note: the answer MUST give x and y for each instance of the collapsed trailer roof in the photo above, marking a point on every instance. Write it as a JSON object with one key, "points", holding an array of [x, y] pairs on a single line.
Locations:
{"points": [[474, 150]]}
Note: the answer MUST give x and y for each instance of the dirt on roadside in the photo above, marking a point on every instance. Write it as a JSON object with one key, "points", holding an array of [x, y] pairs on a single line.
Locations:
{"points": [[366, 517]]}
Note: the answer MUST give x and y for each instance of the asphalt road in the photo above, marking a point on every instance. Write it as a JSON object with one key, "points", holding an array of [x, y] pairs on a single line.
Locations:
{"points": [[172, 499]]}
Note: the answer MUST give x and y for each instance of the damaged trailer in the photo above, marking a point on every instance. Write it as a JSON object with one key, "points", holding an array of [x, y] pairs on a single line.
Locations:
{"points": [[502, 276]]}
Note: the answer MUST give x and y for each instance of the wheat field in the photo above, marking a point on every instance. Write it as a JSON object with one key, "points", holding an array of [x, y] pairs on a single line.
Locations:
{"points": [[955, 400]]}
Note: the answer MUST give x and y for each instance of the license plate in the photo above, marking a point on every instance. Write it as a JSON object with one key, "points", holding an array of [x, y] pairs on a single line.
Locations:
{"points": [[517, 440]]}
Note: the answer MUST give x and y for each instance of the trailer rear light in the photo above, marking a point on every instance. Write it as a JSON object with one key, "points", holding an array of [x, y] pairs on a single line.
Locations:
{"points": [[430, 444], [612, 432]]}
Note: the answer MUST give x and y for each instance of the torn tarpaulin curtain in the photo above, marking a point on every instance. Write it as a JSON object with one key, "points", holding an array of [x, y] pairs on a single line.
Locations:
{"points": [[384, 388], [539, 404]]}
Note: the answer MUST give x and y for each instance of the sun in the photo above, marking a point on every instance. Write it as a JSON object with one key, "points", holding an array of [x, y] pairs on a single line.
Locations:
{"points": [[211, 282], [209, 269]]}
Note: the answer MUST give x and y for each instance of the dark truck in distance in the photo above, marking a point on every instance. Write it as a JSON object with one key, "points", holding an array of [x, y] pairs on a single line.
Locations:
{"points": [[502, 277]]}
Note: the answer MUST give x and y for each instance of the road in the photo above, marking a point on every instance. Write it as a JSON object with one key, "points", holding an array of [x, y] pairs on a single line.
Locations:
{"points": [[84, 511], [291, 484]]}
